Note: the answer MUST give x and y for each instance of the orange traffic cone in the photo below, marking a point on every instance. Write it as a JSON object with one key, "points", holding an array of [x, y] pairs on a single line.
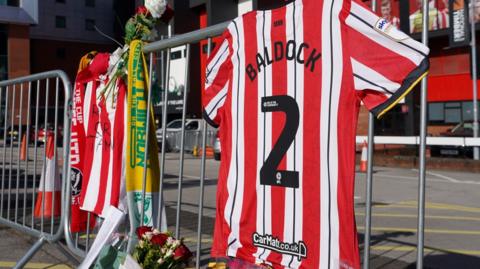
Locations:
{"points": [[363, 159], [23, 148], [49, 195]]}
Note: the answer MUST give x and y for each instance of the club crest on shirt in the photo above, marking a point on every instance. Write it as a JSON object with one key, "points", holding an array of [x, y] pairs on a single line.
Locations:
{"points": [[268, 241]]}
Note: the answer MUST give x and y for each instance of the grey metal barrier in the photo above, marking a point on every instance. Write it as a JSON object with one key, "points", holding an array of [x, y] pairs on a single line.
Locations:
{"points": [[181, 141], [34, 114]]}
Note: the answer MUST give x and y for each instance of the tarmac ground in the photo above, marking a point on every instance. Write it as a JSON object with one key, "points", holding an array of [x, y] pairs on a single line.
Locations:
{"points": [[452, 218]]}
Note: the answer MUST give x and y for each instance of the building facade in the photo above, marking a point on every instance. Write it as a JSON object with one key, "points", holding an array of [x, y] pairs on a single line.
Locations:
{"points": [[450, 85]]}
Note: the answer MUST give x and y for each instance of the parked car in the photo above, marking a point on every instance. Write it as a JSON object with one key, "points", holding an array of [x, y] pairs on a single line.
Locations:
{"points": [[174, 128], [463, 129]]}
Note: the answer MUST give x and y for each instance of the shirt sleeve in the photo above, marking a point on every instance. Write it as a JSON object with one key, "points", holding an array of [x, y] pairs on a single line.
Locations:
{"points": [[218, 74], [386, 63]]}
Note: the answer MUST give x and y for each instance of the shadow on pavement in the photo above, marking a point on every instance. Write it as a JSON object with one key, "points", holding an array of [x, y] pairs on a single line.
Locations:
{"points": [[434, 258]]}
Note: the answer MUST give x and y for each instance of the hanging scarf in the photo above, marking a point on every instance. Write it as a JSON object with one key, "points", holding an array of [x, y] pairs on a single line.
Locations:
{"points": [[136, 136]]}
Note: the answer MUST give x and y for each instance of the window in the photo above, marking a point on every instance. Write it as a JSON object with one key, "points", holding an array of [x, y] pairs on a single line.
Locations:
{"points": [[90, 25], [60, 22], [13, 3], [176, 55], [61, 53], [90, 3], [436, 112], [3, 54], [60, 1]]}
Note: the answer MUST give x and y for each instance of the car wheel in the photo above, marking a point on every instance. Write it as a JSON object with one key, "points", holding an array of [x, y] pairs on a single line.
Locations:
{"points": [[216, 156]]}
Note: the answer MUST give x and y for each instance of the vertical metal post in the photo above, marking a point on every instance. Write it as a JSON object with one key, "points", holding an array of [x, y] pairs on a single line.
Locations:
{"points": [[25, 179], [47, 95], [164, 140], [35, 151], [10, 137], [182, 142], [202, 181], [19, 146], [423, 142], [473, 44], [369, 180], [145, 153], [4, 147], [55, 131], [368, 194]]}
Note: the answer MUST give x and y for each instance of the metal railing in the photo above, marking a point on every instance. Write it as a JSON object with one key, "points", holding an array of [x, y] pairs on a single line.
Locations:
{"points": [[28, 103]]}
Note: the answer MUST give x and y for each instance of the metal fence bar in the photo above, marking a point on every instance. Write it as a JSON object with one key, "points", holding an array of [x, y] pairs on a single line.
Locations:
{"points": [[55, 133], [147, 136], [26, 154], [10, 136], [44, 152], [368, 193], [202, 180], [4, 145], [19, 144], [164, 140], [182, 143], [473, 50], [190, 37], [422, 152], [35, 151]]}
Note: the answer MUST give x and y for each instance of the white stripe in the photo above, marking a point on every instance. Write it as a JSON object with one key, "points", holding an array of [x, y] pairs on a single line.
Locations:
{"points": [[324, 119], [337, 86], [233, 205], [87, 105], [212, 73], [293, 197], [111, 118], [373, 76], [268, 131], [290, 158], [238, 95], [381, 39], [260, 139], [91, 194], [264, 134], [217, 102]]}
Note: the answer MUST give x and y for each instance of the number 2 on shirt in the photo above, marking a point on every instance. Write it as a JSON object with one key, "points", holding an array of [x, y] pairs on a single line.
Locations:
{"points": [[269, 175]]}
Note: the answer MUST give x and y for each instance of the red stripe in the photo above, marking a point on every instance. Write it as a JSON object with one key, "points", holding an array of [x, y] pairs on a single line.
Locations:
{"points": [[346, 118], [222, 230], [105, 144], [118, 142], [90, 141], [311, 137], [279, 87], [249, 209], [392, 65]]}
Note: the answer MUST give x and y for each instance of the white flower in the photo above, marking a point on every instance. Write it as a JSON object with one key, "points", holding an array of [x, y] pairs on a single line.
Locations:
{"points": [[170, 240], [156, 231], [175, 244], [169, 253], [148, 235], [160, 261], [141, 243], [156, 7]]}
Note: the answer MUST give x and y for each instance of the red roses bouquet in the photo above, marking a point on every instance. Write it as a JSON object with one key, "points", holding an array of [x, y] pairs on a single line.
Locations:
{"points": [[157, 250]]}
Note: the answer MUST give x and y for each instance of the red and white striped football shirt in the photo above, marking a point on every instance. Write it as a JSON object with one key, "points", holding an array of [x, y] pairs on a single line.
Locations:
{"points": [[285, 88]]}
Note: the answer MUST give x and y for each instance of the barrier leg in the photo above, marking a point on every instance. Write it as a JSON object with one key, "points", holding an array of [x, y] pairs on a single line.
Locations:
{"points": [[30, 253]]}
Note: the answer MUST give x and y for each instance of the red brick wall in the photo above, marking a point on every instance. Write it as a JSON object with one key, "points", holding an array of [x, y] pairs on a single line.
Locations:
{"points": [[18, 49]]}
